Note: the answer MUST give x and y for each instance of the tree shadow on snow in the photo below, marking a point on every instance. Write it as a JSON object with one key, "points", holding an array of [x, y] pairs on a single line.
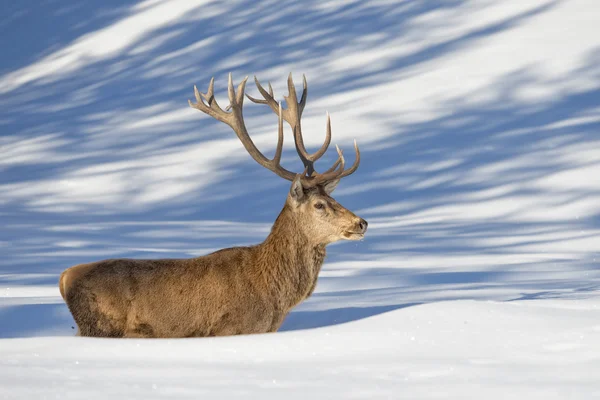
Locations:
{"points": [[166, 206]]}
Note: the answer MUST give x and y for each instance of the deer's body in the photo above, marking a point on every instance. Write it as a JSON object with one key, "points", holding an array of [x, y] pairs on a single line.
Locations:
{"points": [[239, 290], [231, 291]]}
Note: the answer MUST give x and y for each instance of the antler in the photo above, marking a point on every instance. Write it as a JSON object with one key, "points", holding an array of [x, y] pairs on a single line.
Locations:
{"points": [[291, 114], [235, 120]]}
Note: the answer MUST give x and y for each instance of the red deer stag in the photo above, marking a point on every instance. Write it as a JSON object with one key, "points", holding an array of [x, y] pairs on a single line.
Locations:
{"points": [[239, 290]]}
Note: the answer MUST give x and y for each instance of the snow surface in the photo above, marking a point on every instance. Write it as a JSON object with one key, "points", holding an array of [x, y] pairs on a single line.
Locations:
{"points": [[479, 125]]}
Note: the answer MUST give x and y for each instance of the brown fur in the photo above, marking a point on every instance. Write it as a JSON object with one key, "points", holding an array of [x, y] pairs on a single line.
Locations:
{"points": [[240, 290]]}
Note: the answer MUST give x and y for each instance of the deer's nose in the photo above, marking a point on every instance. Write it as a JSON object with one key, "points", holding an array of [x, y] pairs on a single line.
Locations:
{"points": [[362, 225]]}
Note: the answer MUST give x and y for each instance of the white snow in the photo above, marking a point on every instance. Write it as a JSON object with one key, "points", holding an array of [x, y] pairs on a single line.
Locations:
{"points": [[456, 349], [479, 126]]}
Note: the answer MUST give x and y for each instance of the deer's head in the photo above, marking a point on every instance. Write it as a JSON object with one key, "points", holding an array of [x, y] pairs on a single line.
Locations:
{"points": [[321, 217]]}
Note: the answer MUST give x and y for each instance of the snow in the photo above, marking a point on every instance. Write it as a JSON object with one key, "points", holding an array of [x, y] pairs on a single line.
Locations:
{"points": [[478, 123], [453, 349]]}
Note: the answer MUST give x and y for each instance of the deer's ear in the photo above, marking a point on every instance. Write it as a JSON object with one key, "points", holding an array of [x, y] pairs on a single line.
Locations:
{"points": [[330, 186], [297, 191]]}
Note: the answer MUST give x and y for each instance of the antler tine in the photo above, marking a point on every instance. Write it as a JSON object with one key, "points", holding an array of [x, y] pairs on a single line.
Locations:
{"points": [[341, 158], [299, 143], [355, 165], [279, 149], [209, 94], [212, 108], [239, 94], [239, 98], [198, 95], [291, 92], [319, 153], [268, 96], [304, 95], [211, 89], [230, 90], [333, 167]]}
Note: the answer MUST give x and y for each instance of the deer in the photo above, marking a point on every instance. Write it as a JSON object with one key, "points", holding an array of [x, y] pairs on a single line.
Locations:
{"points": [[237, 290]]}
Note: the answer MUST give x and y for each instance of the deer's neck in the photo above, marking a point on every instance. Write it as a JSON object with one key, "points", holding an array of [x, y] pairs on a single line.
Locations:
{"points": [[289, 261]]}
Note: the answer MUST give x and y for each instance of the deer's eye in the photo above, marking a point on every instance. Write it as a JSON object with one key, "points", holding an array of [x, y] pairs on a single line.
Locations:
{"points": [[319, 206]]}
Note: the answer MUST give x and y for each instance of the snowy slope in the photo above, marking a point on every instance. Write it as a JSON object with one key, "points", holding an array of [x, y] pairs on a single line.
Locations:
{"points": [[479, 125], [459, 349]]}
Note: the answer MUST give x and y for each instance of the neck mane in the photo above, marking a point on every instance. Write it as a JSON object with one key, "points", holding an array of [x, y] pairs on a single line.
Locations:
{"points": [[289, 260]]}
